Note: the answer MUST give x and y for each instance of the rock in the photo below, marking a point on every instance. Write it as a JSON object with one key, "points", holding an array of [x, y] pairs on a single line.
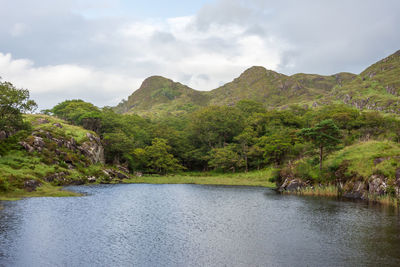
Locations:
{"points": [[292, 184], [38, 142], [357, 191], [123, 169], [73, 142], [138, 174], [91, 179], [57, 125], [377, 185], [3, 135], [110, 173], [397, 175], [120, 175], [379, 160], [41, 121], [48, 135], [57, 177], [27, 147], [93, 149], [31, 185]]}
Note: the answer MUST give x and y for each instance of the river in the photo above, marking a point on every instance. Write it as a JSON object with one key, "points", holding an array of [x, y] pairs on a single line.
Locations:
{"points": [[195, 225]]}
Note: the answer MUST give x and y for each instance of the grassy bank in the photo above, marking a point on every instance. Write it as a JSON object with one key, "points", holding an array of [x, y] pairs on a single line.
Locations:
{"points": [[43, 191], [254, 178], [332, 191]]}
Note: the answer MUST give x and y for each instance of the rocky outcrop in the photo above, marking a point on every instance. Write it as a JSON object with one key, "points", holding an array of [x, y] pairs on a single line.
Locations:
{"points": [[377, 185], [114, 174], [291, 185], [59, 178], [355, 190], [93, 149], [31, 185]]}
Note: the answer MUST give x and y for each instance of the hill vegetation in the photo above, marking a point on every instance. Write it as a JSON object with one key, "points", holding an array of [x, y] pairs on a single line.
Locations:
{"points": [[262, 128], [376, 88]]}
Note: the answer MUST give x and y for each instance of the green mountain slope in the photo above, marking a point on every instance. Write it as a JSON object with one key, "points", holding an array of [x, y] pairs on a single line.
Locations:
{"points": [[159, 95], [275, 89], [378, 88]]}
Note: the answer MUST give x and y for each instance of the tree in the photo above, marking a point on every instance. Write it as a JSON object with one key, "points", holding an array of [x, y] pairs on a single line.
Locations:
{"points": [[323, 135], [215, 126], [225, 158], [276, 146], [246, 139], [159, 159], [13, 103]]}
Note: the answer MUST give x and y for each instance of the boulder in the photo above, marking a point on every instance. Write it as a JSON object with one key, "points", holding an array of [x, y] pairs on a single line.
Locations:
{"points": [[123, 169], [291, 184], [121, 175], [91, 179], [31, 185], [377, 185], [357, 191], [3, 135], [38, 142], [59, 177], [27, 147], [41, 121], [110, 173], [93, 149]]}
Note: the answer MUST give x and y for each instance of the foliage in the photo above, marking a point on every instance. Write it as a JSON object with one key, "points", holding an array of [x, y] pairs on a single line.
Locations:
{"points": [[159, 159], [13, 103], [324, 135], [225, 158]]}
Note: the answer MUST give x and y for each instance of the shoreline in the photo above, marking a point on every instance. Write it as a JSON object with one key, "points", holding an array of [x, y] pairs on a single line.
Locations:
{"points": [[245, 179], [332, 191]]}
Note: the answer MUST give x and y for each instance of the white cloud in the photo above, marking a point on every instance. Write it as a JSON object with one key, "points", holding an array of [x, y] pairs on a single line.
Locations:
{"points": [[54, 83], [58, 53]]}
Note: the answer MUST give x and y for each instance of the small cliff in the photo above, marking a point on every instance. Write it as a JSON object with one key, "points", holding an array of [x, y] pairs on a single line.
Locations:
{"points": [[54, 152]]}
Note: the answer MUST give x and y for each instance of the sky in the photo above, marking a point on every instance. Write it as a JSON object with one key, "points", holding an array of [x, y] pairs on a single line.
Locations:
{"points": [[101, 50]]}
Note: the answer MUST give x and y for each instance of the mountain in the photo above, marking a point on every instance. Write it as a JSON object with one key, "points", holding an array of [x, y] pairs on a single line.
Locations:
{"points": [[276, 89], [158, 94], [377, 87]]}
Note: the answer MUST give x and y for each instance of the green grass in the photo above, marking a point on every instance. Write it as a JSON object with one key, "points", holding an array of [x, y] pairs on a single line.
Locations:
{"points": [[254, 178], [67, 130], [361, 156], [327, 191], [45, 190]]}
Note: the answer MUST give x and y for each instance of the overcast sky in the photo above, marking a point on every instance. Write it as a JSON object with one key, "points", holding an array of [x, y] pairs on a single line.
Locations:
{"points": [[101, 50]]}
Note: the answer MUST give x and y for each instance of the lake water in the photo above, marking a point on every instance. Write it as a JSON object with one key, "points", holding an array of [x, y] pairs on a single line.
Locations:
{"points": [[194, 225]]}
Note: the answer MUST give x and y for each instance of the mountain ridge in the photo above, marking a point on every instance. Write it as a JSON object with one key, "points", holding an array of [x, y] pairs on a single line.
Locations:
{"points": [[377, 87]]}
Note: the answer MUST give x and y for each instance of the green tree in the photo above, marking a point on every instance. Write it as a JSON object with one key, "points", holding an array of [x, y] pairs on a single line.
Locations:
{"points": [[276, 146], [246, 139], [225, 158], [215, 126], [13, 103], [324, 135], [159, 159]]}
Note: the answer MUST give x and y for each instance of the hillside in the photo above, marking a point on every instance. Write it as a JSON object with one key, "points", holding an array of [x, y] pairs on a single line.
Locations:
{"points": [[376, 88], [52, 153], [277, 90], [158, 94]]}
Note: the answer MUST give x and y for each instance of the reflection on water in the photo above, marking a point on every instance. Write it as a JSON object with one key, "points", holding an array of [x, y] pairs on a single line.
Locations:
{"points": [[190, 225]]}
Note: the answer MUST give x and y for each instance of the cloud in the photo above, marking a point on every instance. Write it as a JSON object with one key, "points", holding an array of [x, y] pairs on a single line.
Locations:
{"points": [[86, 49], [52, 84]]}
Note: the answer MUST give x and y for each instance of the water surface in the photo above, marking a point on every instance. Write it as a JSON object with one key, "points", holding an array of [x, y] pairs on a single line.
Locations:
{"points": [[192, 225]]}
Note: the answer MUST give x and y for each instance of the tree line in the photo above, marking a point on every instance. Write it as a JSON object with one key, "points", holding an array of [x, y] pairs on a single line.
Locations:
{"points": [[243, 137]]}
